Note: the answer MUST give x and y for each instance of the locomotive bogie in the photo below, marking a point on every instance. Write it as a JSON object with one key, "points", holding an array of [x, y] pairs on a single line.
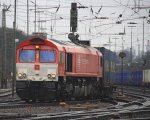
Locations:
{"points": [[35, 90], [79, 87]]}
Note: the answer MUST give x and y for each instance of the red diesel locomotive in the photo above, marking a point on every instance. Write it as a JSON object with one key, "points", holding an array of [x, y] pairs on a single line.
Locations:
{"points": [[51, 70]]}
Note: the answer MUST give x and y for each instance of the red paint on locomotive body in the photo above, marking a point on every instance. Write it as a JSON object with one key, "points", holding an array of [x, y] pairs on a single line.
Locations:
{"points": [[51, 69], [86, 61]]}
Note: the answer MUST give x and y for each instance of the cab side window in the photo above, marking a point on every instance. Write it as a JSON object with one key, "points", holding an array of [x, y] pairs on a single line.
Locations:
{"points": [[69, 63]]}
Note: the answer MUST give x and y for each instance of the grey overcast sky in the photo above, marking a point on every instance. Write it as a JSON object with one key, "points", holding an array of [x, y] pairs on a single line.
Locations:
{"points": [[56, 22]]}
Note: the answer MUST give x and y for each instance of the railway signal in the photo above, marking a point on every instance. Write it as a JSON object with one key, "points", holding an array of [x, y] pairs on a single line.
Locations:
{"points": [[73, 23], [122, 55], [73, 17]]}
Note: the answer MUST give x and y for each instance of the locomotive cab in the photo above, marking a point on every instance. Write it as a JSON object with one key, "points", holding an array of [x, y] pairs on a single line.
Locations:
{"points": [[37, 70], [38, 64]]}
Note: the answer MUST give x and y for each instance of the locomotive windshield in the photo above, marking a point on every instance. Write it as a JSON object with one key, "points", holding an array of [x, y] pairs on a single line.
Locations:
{"points": [[47, 56], [27, 56]]}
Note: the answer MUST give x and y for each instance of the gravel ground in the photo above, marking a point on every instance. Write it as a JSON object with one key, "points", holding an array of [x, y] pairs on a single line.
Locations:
{"points": [[62, 107]]}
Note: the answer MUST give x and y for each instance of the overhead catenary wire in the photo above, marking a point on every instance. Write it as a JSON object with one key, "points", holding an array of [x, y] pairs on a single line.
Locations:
{"points": [[84, 22]]}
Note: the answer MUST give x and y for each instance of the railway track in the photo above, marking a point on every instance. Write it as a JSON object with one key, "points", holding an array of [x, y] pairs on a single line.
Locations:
{"points": [[6, 97], [135, 91], [128, 110], [21, 104], [60, 107], [119, 110], [5, 93], [134, 109], [78, 110], [135, 88]]}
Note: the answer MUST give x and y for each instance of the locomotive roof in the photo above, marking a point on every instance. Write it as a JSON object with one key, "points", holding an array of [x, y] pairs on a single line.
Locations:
{"points": [[68, 45]]}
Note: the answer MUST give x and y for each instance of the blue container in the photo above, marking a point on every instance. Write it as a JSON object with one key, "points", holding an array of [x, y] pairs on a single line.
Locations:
{"points": [[139, 77], [130, 78]]}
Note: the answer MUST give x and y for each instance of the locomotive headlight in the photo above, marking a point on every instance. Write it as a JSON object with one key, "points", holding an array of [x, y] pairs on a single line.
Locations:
{"points": [[24, 75], [37, 47], [53, 75], [49, 76], [20, 75]]}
